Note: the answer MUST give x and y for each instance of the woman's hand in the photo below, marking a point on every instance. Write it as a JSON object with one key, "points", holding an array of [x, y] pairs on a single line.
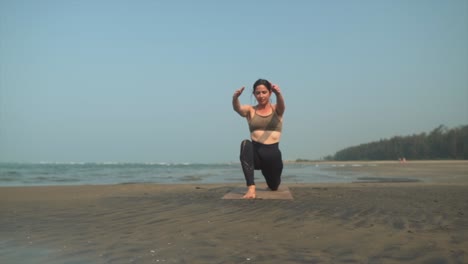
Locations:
{"points": [[238, 92], [276, 89], [280, 107], [243, 110]]}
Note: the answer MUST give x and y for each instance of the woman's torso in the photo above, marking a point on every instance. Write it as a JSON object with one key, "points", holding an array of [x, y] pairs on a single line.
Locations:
{"points": [[265, 125]]}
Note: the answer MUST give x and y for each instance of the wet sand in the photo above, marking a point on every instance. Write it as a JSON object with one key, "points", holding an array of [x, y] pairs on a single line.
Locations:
{"points": [[447, 171], [372, 222]]}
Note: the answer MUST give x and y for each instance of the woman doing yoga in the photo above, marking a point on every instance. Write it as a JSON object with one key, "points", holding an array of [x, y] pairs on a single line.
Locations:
{"points": [[265, 122]]}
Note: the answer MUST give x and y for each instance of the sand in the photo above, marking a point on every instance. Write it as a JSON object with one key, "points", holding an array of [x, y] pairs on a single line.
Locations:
{"points": [[372, 222]]}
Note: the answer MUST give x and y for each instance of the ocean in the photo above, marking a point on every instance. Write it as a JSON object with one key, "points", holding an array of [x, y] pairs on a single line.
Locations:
{"points": [[41, 174]]}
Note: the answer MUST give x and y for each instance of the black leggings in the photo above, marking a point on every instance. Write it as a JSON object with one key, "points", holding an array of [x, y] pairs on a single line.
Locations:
{"points": [[257, 156]]}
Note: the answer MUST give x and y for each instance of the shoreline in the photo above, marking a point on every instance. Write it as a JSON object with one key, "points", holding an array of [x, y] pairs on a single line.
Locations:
{"points": [[286, 161], [298, 172], [376, 162]]}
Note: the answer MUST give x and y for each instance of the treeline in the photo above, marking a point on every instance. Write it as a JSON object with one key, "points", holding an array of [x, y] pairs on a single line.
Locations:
{"points": [[440, 143]]}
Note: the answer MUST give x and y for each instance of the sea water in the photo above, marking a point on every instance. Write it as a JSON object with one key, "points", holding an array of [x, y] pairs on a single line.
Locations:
{"points": [[37, 174]]}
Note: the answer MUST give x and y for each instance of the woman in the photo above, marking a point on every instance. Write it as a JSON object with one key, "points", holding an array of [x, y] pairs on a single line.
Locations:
{"points": [[265, 123]]}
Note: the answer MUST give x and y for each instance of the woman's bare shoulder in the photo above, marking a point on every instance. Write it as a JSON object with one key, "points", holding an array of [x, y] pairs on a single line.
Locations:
{"points": [[275, 109]]}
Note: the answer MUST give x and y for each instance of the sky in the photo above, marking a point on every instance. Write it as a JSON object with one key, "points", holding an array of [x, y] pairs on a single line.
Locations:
{"points": [[152, 81]]}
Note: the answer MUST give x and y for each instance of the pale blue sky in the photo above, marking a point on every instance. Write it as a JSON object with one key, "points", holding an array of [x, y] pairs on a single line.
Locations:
{"points": [[152, 81]]}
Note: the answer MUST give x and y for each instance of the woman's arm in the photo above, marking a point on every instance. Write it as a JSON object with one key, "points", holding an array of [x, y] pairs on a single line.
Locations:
{"points": [[242, 110], [280, 106]]}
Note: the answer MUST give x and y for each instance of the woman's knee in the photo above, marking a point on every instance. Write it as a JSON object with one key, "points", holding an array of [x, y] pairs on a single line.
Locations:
{"points": [[274, 186], [273, 179]]}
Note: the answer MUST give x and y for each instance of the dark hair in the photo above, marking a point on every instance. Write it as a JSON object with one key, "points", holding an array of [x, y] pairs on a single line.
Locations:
{"points": [[260, 82]]}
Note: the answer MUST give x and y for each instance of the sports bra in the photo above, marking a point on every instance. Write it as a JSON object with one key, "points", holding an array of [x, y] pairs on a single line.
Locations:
{"points": [[271, 122]]}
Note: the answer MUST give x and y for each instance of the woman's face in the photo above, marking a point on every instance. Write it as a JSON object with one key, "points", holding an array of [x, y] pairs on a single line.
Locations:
{"points": [[262, 94]]}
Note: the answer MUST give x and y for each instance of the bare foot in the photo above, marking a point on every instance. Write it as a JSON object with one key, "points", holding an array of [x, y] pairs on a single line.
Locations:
{"points": [[250, 194]]}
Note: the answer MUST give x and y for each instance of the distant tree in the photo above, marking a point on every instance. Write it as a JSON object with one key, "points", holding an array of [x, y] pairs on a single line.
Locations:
{"points": [[440, 143]]}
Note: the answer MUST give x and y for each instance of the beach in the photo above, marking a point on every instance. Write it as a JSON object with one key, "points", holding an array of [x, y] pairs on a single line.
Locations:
{"points": [[391, 220]]}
